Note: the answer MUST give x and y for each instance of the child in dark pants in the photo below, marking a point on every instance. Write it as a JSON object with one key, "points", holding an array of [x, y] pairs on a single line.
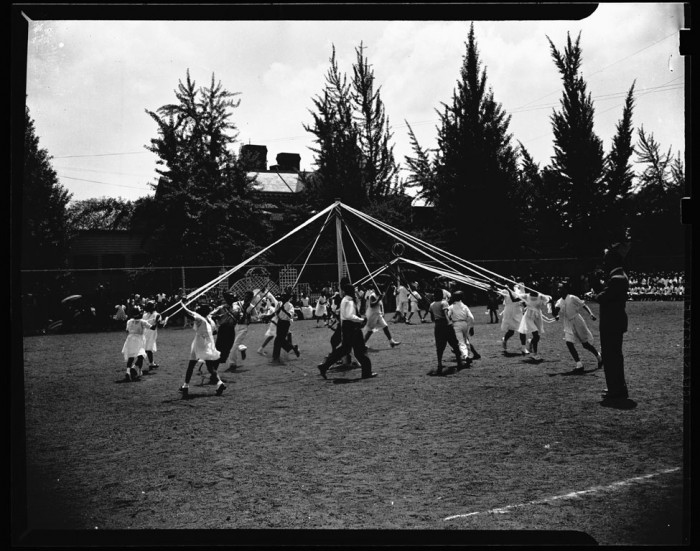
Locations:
{"points": [[444, 333]]}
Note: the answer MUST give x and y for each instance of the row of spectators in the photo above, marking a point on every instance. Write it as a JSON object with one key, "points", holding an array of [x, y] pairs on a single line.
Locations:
{"points": [[99, 311], [656, 286]]}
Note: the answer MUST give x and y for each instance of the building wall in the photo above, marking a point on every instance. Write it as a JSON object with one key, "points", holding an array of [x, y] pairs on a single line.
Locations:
{"points": [[107, 249]]}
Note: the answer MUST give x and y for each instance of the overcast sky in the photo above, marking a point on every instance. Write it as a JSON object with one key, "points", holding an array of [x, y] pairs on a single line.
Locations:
{"points": [[90, 82]]}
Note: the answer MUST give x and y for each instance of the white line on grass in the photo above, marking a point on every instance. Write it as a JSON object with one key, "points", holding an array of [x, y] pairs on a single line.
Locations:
{"points": [[595, 489]]}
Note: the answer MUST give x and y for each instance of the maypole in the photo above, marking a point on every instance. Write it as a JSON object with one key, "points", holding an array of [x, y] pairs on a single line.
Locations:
{"points": [[342, 265]]}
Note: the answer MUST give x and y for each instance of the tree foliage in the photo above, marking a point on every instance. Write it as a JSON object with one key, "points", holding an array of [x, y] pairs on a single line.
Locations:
{"points": [[204, 210], [656, 227], [379, 168], [475, 169], [353, 153], [101, 213], [45, 228], [619, 175], [577, 166]]}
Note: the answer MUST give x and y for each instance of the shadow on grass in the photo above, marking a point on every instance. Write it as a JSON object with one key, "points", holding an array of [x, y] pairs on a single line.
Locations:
{"points": [[191, 397], [574, 373], [345, 381], [530, 361], [342, 368], [623, 403]]}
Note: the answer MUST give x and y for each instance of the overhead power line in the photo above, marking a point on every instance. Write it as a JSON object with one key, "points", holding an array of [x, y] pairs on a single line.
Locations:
{"points": [[96, 182]]}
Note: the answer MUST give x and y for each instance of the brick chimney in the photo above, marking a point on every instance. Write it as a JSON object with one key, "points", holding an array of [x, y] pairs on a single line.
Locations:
{"points": [[287, 162]]}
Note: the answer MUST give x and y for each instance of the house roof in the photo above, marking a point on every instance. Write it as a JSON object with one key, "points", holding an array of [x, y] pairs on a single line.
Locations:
{"points": [[277, 182]]}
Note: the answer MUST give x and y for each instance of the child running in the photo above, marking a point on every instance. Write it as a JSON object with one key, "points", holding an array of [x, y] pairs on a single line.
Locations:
{"points": [[463, 326], [512, 314], [202, 348], [444, 333], [375, 317], [569, 307], [151, 335], [532, 321], [134, 346]]}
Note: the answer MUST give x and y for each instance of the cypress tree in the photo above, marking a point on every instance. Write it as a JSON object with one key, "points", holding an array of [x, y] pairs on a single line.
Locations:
{"points": [[619, 175], [577, 166], [45, 223], [476, 166]]}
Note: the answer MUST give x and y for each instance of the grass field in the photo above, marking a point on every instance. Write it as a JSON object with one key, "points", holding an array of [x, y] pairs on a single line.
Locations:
{"points": [[503, 446]]}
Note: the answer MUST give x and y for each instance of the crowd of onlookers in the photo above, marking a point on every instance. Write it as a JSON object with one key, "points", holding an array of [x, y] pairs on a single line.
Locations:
{"points": [[656, 286], [99, 311]]}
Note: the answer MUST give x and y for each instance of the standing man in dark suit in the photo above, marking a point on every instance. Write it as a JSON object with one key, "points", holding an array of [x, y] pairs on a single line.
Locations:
{"points": [[613, 322]]}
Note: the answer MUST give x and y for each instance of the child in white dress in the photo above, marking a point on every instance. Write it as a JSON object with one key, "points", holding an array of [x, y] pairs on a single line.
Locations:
{"points": [[134, 344], [532, 320], [202, 348], [375, 317], [512, 314], [569, 308], [154, 318], [321, 312]]}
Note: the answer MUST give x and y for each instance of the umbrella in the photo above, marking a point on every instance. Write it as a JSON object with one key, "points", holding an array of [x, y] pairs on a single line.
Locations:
{"points": [[71, 299]]}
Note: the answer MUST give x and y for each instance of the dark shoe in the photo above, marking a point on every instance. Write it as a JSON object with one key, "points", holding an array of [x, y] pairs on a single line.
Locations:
{"points": [[436, 373], [184, 391], [296, 350], [213, 380], [369, 375], [243, 354], [220, 388], [127, 378], [323, 369], [616, 396], [450, 371], [153, 366], [133, 373], [578, 371], [476, 356], [600, 363]]}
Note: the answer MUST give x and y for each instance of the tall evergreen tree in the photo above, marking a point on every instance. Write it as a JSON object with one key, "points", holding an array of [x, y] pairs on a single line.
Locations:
{"points": [[619, 175], [578, 161], [45, 227], [338, 156], [379, 168], [204, 209], [353, 154], [422, 170], [476, 166]]}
